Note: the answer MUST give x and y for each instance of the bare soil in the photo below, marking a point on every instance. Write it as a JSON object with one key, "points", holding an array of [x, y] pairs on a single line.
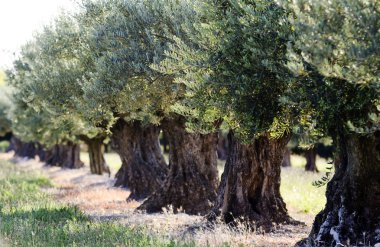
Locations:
{"points": [[97, 197]]}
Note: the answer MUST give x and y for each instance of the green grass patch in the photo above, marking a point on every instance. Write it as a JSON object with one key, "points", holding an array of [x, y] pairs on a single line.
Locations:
{"points": [[3, 146], [113, 160], [30, 217], [298, 191]]}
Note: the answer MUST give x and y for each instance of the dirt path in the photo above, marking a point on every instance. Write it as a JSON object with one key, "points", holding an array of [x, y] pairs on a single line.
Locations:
{"points": [[96, 196]]}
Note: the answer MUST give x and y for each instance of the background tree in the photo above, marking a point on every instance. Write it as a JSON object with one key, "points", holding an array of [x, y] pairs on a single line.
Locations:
{"points": [[60, 65], [192, 178], [116, 94], [339, 84], [31, 122], [5, 104]]}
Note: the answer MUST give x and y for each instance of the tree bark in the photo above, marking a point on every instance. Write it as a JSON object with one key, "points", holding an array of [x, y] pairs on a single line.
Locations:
{"points": [[96, 154], [250, 186], [41, 152], [352, 212], [193, 176], [65, 156], [24, 149], [143, 167], [311, 157], [286, 161]]}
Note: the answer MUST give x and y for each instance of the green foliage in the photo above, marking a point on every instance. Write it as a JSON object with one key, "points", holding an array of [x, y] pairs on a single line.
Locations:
{"points": [[229, 68], [47, 81], [83, 72], [325, 179], [5, 104], [127, 40], [210, 61], [338, 62]]}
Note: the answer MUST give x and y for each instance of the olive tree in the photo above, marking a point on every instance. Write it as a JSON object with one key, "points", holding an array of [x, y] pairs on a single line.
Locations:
{"points": [[35, 124], [234, 69], [126, 93], [339, 60], [61, 64], [5, 104]]}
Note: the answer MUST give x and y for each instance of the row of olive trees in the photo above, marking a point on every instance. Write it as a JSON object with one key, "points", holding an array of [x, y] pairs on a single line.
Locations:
{"points": [[125, 70]]}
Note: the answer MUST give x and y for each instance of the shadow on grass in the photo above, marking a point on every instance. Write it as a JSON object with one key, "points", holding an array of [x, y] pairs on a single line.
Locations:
{"points": [[47, 215], [67, 226]]}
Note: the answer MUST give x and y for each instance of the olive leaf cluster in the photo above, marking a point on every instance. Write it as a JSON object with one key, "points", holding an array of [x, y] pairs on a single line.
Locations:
{"points": [[338, 57]]}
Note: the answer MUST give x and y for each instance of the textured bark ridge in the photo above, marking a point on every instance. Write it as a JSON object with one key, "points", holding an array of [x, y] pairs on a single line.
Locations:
{"points": [[352, 213], [96, 153], [65, 156], [250, 186], [311, 157], [143, 167], [193, 176]]}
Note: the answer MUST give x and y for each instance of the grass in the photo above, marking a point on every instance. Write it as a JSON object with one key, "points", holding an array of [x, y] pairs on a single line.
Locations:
{"points": [[297, 189], [31, 217], [3, 146], [299, 193], [112, 159]]}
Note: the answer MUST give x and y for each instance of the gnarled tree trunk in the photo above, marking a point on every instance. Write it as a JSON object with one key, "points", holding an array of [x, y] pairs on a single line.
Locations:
{"points": [[96, 154], [192, 180], [143, 167], [311, 157], [65, 156], [24, 149], [250, 186], [352, 212]]}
